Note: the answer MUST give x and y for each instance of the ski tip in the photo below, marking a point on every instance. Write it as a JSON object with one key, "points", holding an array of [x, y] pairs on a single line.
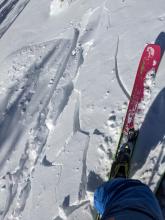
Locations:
{"points": [[152, 55]]}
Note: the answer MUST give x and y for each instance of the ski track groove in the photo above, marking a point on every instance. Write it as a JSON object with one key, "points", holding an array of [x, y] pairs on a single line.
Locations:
{"points": [[13, 113], [4, 2], [63, 66], [35, 71], [121, 84], [5, 11], [10, 123], [22, 198], [11, 195], [39, 133]]}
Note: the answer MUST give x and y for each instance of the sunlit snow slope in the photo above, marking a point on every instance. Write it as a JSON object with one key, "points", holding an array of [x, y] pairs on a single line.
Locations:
{"points": [[66, 74]]}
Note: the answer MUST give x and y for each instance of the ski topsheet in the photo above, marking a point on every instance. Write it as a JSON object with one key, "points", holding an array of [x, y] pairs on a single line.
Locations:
{"points": [[146, 72], [148, 66], [147, 69]]}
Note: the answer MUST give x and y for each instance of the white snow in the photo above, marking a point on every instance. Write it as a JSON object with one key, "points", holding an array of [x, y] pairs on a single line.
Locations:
{"points": [[57, 6], [67, 71]]}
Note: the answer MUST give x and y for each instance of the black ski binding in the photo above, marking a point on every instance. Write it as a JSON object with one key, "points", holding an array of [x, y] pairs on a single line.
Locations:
{"points": [[121, 164]]}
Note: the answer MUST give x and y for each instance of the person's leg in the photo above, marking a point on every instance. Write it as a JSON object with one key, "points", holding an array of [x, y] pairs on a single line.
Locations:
{"points": [[125, 196]]}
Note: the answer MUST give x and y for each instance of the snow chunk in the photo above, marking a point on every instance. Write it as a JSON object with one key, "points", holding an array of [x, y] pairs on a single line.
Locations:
{"points": [[57, 6], [87, 46]]}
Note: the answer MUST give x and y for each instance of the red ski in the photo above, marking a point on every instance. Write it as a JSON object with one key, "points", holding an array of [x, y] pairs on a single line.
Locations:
{"points": [[149, 63], [147, 68]]}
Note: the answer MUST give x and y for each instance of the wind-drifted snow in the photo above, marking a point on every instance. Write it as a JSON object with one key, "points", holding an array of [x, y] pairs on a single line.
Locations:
{"points": [[66, 75]]}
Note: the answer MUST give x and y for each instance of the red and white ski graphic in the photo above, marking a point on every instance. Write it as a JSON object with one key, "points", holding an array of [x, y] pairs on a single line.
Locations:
{"points": [[149, 62]]}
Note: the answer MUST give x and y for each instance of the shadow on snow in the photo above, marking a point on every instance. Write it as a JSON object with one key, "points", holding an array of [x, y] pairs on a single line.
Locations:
{"points": [[151, 133]]}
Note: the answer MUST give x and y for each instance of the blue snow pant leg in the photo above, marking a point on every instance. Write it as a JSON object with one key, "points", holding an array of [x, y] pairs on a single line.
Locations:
{"points": [[126, 199]]}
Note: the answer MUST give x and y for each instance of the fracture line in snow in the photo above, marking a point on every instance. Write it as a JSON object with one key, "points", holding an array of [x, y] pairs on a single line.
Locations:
{"points": [[121, 84], [80, 137], [83, 183], [77, 128]]}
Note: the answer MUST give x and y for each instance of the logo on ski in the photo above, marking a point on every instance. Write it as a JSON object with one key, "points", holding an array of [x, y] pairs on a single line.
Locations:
{"points": [[151, 52]]}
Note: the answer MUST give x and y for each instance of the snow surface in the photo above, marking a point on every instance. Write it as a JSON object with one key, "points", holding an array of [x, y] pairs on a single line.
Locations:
{"points": [[67, 70]]}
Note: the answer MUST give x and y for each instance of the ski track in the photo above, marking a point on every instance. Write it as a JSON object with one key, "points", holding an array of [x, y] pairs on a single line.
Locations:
{"points": [[28, 107], [9, 11]]}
